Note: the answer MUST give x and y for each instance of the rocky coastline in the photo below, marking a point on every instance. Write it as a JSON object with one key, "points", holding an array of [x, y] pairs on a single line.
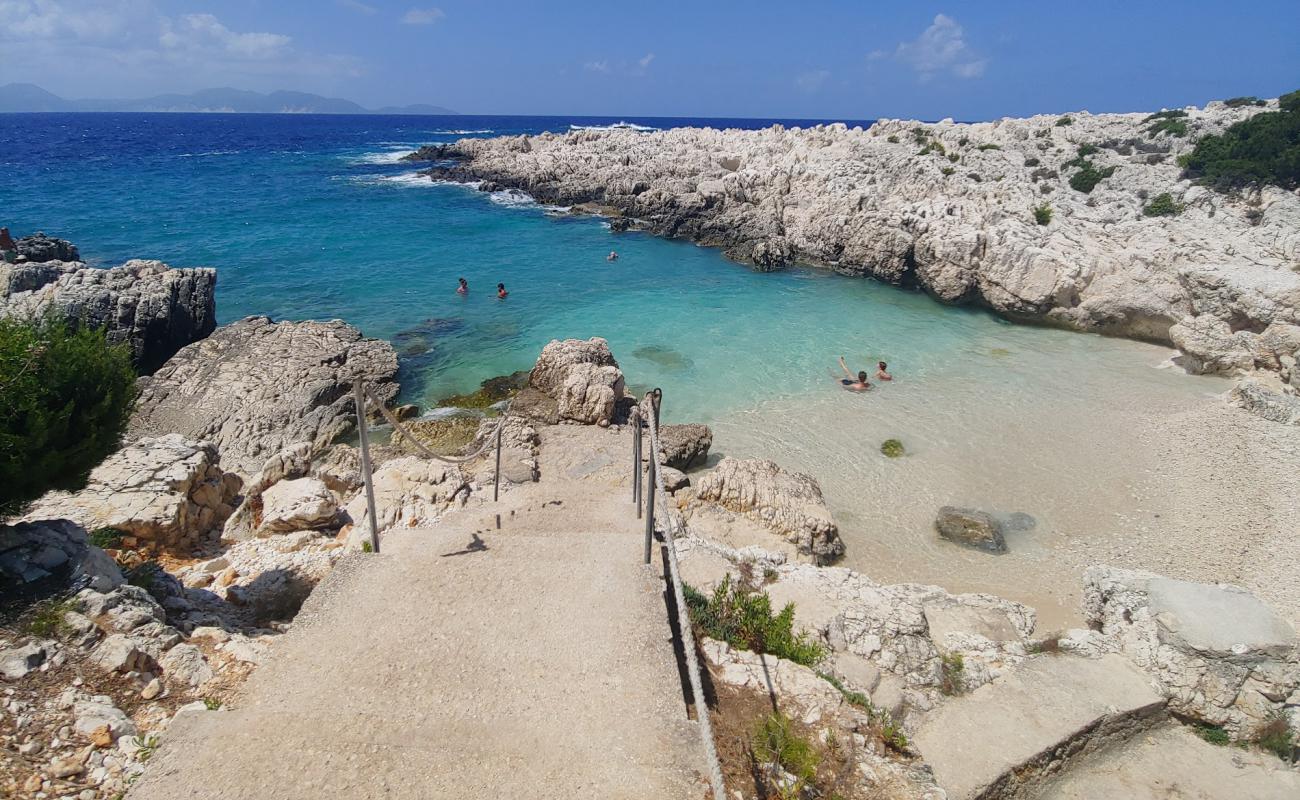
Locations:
{"points": [[983, 213]]}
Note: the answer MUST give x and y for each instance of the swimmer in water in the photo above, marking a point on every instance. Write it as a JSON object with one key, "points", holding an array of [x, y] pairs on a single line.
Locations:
{"points": [[613, 256], [501, 291], [854, 383], [463, 288], [881, 373]]}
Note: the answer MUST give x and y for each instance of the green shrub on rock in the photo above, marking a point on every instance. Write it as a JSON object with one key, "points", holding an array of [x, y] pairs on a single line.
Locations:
{"points": [[65, 399], [1063, 121], [1043, 214], [741, 616], [1239, 102], [1262, 150], [892, 448], [1088, 176], [1162, 205]]}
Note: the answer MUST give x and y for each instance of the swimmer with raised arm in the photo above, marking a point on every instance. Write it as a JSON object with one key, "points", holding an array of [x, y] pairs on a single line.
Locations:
{"points": [[854, 383]]}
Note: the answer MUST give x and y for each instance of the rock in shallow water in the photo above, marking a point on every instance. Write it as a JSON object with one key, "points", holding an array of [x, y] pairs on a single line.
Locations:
{"points": [[972, 528]]}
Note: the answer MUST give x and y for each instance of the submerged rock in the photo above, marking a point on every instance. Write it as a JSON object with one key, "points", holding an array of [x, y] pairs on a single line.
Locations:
{"points": [[445, 436], [154, 309], [490, 392], [255, 387], [972, 528]]}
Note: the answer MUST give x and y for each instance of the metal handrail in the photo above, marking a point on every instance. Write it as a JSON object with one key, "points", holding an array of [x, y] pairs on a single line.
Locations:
{"points": [[673, 524]]}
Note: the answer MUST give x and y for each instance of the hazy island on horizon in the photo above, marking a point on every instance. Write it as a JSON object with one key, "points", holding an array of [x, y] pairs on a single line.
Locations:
{"points": [[30, 98]]}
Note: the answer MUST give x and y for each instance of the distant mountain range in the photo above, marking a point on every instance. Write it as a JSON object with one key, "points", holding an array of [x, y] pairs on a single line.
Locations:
{"points": [[28, 97]]}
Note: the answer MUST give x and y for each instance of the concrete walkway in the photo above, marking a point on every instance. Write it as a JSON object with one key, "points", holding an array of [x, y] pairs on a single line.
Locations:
{"points": [[531, 662]]}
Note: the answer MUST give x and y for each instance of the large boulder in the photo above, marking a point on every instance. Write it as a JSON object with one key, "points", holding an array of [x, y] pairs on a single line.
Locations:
{"points": [[255, 387], [166, 490], [787, 503], [582, 378], [683, 446], [154, 309], [50, 554], [1262, 402], [1210, 346], [298, 505], [1219, 654]]}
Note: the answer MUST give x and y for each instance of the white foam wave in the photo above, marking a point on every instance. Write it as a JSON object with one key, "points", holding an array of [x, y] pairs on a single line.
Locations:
{"points": [[617, 126], [209, 153], [512, 198], [404, 180], [390, 157], [462, 132]]}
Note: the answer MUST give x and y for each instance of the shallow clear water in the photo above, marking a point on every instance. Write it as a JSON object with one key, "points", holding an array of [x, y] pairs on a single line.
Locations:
{"points": [[314, 217]]}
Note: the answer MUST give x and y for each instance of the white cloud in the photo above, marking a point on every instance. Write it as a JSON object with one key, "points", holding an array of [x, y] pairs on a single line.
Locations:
{"points": [[357, 6], [940, 48], [204, 32], [422, 16], [632, 69], [49, 19], [596, 66], [644, 61], [812, 81]]}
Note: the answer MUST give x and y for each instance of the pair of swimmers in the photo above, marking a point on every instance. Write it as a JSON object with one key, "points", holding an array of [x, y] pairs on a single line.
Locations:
{"points": [[463, 289], [858, 383]]}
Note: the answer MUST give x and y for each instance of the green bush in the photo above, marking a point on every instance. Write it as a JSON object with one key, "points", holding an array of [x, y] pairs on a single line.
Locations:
{"points": [[1238, 102], [1043, 214], [1088, 176], [892, 448], [1214, 734], [775, 742], [892, 139], [1063, 121], [952, 678], [45, 620], [1163, 205], [1173, 127], [1087, 149], [989, 147], [954, 158], [947, 170], [106, 538], [1262, 150], [65, 398], [1277, 736], [741, 616], [1176, 113]]}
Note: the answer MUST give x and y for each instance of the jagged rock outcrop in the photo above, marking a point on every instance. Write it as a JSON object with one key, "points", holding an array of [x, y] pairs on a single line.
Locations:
{"points": [[948, 207], [1219, 654], [582, 378], [787, 503], [1262, 402], [153, 308], [684, 446], [298, 505], [409, 492], [165, 490], [39, 248], [255, 387]]}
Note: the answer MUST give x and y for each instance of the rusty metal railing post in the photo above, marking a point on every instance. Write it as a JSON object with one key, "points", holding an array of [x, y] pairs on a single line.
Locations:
{"points": [[496, 479], [359, 399], [652, 470], [634, 422]]}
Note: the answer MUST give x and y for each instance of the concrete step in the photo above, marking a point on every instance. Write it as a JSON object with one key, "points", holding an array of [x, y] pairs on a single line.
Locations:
{"points": [[1007, 737], [1173, 763]]}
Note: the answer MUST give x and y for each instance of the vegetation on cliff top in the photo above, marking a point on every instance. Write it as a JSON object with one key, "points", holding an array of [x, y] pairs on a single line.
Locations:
{"points": [[65, 399], [741, 616], [1262, 150]]}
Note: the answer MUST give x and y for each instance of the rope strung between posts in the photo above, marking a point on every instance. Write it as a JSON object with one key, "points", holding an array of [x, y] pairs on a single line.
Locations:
{"points": [[488, 439], [672, 524]]}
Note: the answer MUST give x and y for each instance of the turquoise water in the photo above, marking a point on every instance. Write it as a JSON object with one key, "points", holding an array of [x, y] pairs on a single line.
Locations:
{"points": [[314, 217]]}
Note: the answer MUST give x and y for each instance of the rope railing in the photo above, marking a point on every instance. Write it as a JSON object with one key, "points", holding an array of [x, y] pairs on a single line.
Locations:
{"points": [[362, 392], [672, 525]]}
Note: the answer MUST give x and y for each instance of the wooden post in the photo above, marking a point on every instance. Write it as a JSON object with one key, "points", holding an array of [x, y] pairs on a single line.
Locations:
{"points": [[360, 400], [496, 481]]}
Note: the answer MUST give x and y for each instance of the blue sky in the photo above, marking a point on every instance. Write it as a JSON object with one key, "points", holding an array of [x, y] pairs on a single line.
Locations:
{"points": [[856, 60]]}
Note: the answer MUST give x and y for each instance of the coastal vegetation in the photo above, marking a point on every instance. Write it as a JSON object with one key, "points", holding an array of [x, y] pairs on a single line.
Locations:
{"points": [[776, 742], [66, 398], [1063, 121], [1043, 214], [1088, 176], [1162, 205], [1239, 102], [952, 680], [741, 615], [1170, 122], [1261, 150]]}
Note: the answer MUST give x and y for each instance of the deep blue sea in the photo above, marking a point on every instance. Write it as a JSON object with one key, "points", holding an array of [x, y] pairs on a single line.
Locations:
{"points": [[315, 217]]}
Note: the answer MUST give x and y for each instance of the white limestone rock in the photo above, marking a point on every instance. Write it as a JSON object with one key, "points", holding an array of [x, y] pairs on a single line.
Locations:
{"points": [[409, 492], [297, 505], [167, 490], [1219, 654], [37, 551], [789, 504], [582, 377]]}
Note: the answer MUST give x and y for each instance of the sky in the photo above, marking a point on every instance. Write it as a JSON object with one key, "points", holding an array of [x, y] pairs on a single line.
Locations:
{"points": [[713, 58]]}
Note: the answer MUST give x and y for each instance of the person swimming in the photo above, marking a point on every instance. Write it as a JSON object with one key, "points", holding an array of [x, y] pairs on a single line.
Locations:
{"points": [[613, 256], [854, 383], [881, 373], [501, 291], [463, 288]]}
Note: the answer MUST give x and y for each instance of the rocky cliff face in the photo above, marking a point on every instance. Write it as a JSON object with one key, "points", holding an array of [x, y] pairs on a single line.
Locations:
{"points": [[153, 308], [983, 213]]}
